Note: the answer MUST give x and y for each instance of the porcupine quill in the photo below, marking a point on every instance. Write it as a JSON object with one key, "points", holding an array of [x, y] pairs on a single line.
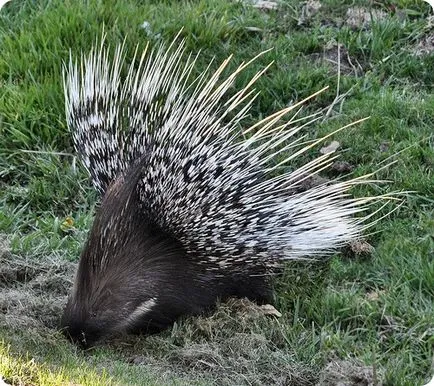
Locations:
{"points": [[192, 210]]}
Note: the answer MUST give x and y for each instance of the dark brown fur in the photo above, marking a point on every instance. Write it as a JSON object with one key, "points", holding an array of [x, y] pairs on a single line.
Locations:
{"points": [[133, 277]]}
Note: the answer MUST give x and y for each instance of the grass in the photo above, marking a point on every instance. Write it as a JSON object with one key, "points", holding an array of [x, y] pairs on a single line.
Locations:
{"points": [[375, 311]]}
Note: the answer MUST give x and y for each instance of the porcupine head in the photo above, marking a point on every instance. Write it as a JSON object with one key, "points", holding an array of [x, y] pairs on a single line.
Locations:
{"points": [[190, 211]]}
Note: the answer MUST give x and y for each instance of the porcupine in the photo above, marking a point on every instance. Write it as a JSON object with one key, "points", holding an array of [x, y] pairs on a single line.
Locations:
{"points": [[192, 209]]}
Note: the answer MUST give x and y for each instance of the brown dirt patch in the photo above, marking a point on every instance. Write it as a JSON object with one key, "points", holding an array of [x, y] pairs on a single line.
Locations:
{"points": [[359, 248], [425, 46], [362, 18], [337, 58], [308, 11], [348, 373]]}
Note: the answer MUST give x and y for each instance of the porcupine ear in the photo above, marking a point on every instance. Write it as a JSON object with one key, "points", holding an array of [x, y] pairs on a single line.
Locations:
{"points": [[111, 116]]}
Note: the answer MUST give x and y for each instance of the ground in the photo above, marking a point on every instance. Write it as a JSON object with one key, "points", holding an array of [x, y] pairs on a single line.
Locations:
{"points": [[363, 317]]}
